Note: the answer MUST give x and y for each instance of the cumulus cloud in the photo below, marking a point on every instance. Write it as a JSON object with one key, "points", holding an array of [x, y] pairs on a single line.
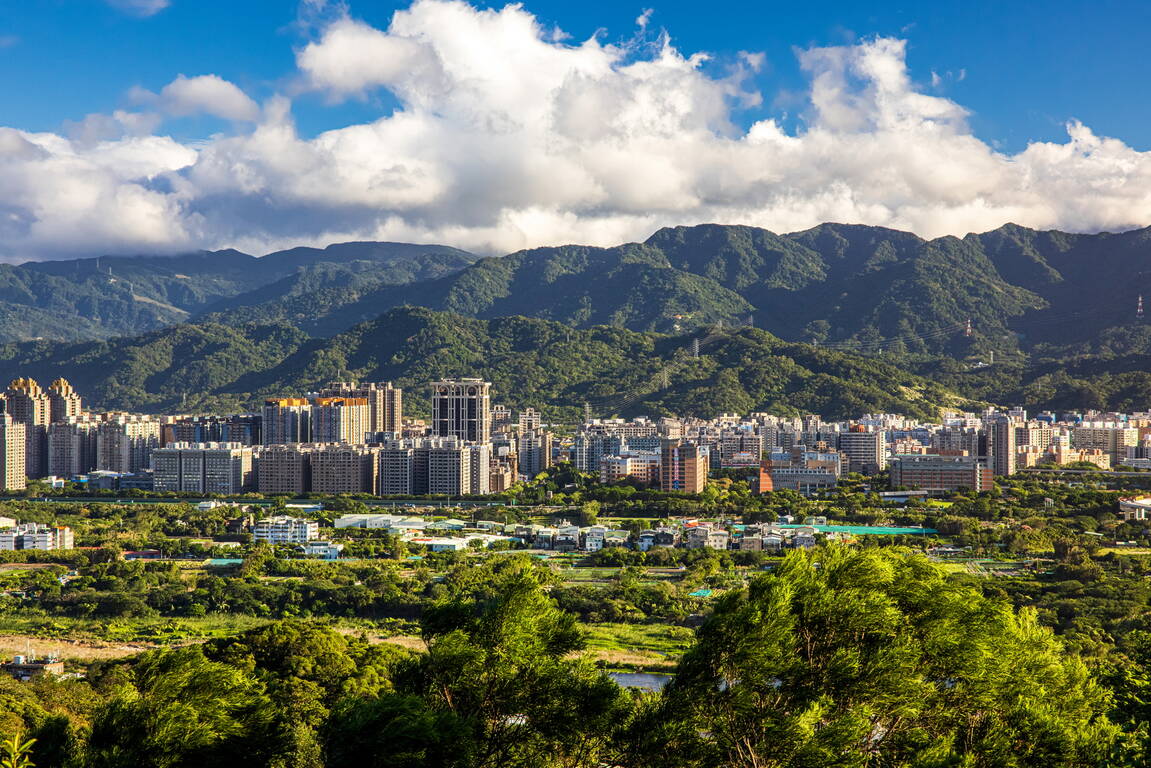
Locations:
{"points": [[205, 94], [507, 136], [142, 8]]}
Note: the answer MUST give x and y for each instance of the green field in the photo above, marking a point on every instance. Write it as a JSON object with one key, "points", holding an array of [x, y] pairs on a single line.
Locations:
{"points": [[638, 646]]}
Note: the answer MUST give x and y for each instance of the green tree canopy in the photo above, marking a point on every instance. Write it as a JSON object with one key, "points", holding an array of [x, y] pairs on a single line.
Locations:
{"points": [[875, 658]]}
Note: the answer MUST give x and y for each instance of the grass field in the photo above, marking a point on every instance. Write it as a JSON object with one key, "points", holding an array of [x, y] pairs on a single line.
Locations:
{"points": [[132, 632], [638, 646]]}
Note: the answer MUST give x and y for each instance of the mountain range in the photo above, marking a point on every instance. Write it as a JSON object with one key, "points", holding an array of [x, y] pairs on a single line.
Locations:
{"points": [[214, 367], [1055, 311]]}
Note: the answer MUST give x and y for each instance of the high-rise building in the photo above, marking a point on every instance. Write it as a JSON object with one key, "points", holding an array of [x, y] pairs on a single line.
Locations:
{"points": [[385, 402], [284, 469], [344, 469], [501, 418], [396, 476], [125, 441], [683, 466], [434, 466], [64, 401], [13, 465], [450, 470], [461, 408], [1112, 440], [28, 404], [214, 468], [244, 429], [535, 451], [1001, 446], [529, 420], [72, 446], [340, 419], [287, 420], [865, 452], [479, 473]]}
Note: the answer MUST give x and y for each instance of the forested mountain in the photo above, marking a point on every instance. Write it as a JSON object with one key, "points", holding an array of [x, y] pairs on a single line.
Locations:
{"points": [[854, 287], [850, 286], [1058, 309], [193, 367], [110, 296]]}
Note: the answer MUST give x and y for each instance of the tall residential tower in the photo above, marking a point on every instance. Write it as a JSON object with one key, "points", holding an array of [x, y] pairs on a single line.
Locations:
{"points": [[462, 408]]}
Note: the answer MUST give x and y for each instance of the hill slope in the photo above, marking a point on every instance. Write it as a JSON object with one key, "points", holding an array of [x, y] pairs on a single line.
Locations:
{"points": [[530, 361], [111, 296], [855, 286]]}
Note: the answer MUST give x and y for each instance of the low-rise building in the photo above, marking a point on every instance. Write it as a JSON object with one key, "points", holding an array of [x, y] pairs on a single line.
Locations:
{"points": [[324, 550], [285, 530], [36, 536], [941, 473]]}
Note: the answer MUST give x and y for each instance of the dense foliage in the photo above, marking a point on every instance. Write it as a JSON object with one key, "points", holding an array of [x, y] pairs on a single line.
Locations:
{"points": [[530, 362], [97, 298], [838, 657]]}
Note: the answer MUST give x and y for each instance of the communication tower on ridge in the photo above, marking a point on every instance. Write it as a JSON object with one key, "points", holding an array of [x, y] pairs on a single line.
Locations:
{"points": [[1139, 307], [967, 331]]}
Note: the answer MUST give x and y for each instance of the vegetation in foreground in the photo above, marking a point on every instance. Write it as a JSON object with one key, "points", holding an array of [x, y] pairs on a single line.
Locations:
{"points": [[852, 657]]}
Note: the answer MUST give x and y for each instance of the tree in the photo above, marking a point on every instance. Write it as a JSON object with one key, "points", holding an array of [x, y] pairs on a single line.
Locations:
{"points": [[16, 751], [501, 667], [874, 657], [182, 710]]}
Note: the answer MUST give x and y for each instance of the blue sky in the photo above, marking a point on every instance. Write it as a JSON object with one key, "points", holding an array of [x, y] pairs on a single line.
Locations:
{"points": [[158, 126], [1029, 67]]}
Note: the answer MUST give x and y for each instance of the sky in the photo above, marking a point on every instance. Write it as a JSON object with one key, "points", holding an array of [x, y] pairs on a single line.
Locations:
{"points": [[156, 126]]}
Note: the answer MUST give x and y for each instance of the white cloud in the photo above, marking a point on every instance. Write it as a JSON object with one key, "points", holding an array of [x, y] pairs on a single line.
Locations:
{"points": [[142, 8], [207, 94], [507, 137]]}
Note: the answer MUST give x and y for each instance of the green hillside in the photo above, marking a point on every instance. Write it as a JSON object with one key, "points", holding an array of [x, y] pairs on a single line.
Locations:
{"points": [[530, 361], [112, 296], [851, 286]]}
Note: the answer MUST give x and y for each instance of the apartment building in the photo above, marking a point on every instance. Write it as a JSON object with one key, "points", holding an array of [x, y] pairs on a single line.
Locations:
{"points": [[385, 403], [344, 469], [863, 451], [64, 401], [30, 405], [340, 419], [286, 420], [13, 465], [461, 408], [284, 469], [683, 466], [285, 530], [1112, 440], [72, 446], [36, 536], [203, 468], [639, 466], [534, 449], [125, 441]]}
